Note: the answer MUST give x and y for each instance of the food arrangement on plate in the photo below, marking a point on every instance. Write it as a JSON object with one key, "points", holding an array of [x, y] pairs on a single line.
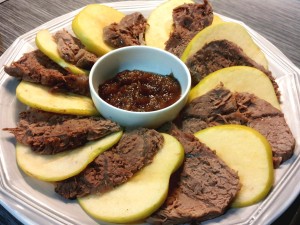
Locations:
{"points": [[221, 151]]}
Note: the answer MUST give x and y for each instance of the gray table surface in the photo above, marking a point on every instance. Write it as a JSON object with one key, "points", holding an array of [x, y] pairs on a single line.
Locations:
{"points": [[276, 20]]}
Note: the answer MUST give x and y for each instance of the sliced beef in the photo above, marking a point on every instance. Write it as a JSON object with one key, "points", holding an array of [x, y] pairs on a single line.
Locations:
{"points": [[201, 189], [50, 133], [68, 46], [85, 59], [36, 67], [188, 20], [220, 106], [72, 50], [278, 134], [220, 54], [135, 150], [130, 31]]}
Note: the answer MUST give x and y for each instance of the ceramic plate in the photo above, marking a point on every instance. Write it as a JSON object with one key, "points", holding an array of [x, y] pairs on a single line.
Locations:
{"points": [[35, 202]]}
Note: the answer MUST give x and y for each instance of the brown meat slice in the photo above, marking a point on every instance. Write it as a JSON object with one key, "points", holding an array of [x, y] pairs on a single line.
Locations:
{"points": [[220, 54], [282, 145], [72, 50], [36, 67], [188, 20], [201, 189], [130, 31], [50, 133], [68, 46], [220, 106], [135, 150], [85, 59]]}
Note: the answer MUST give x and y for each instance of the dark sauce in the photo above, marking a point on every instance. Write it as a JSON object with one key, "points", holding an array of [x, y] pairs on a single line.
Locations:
{"points": [[140, 91]]}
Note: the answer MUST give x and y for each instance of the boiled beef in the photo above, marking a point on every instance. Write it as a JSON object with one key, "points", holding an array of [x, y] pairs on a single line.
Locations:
{"points": [[36, 67], [135, 150], [201, 189], [50, 133], [220, 54], [72, 50], [220, 106], [188, 20], [130, 31]]}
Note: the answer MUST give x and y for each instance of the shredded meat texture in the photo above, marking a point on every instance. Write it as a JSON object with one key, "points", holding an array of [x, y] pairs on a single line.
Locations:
{"points": [[220, 106], [130, 31], [220, 54], [36, 67], [188, 20], [72, 50], [201, 189], [49, 133], [135, 150]]}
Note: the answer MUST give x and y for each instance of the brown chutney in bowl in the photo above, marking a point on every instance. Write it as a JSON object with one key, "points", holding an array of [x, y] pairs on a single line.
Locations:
{"points": [[140, 91]]}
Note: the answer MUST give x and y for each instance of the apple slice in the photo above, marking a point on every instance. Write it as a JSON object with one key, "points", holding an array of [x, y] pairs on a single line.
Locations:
{"points": [[141, 195], [217, 19], [230, 31], [161, 23], [88, 26], [62, 165], [246, 151], [45, 43], [40, 97], [238, 79]]}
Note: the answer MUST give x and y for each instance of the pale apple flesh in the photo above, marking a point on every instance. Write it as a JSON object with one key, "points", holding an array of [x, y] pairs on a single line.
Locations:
{"points": [[46, 44], [249, 153], [143, 194], [40, 97], [238, 79], [88, 26], [229, 31], [217, 19], [63, 165]]}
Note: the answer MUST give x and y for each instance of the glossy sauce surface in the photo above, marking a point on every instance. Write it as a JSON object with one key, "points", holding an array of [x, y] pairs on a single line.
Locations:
{"points": [[140, 91]]}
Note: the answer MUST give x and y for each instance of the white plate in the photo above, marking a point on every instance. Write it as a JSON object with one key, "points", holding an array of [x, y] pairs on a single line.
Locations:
{"points": [[35, 202]]}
